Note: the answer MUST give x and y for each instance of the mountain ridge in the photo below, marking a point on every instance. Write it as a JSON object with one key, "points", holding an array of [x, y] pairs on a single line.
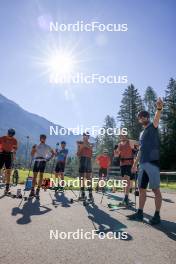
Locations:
{"points": [[29, 125]]}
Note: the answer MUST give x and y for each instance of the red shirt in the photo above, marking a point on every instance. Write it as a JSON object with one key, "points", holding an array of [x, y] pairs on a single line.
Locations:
{"points": [[8, 144], [103, 161], [125, 152]]}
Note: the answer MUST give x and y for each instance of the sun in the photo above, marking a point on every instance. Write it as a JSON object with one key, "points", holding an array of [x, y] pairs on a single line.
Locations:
{"points": [[61, 64]]}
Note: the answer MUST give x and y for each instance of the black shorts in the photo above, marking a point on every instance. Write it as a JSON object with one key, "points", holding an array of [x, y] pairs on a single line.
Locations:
{"points": [[144, 180], [60, 167], [126, 170], [85, 165], [103, 172], [6, 159], [39, 166]]}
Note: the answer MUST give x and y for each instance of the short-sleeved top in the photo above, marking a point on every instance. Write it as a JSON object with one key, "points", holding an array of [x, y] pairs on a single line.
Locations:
{"points": [[62, 155], [103, 161], [126, 154], [8, 144], [42, 151], [149, 144]]}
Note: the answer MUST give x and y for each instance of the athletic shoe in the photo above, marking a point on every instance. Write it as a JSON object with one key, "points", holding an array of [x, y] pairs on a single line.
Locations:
{"points": [[155, 220], [135, 217]]}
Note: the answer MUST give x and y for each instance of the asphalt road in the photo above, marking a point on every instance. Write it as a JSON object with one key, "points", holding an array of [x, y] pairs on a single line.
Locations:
{"points": [[25, 229]]}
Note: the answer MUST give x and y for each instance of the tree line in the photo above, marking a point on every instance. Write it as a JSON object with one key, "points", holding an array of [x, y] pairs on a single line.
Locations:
{"points": [[132, 102]]}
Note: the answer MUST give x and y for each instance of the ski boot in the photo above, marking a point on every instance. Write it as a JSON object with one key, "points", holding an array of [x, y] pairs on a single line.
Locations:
{"points": [[7, 190], [37, 194], [125, 201], [82, 196], [91, 199], [32, 193]]}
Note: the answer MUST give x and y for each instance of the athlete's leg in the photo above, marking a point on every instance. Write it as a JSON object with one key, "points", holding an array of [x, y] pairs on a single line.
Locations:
{"points": [[40, 179], [142, 198], [158, 199], [62, 178], [127, 188], [34, 180], [143, 183], [7, 177]]}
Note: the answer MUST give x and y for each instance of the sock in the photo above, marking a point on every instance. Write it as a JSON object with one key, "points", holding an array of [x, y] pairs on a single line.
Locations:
{"points": [[140, 211], [157, 213]]}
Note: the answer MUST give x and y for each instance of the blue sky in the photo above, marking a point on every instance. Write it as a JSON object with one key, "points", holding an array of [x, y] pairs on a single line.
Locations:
{"points": [[146, 54]]}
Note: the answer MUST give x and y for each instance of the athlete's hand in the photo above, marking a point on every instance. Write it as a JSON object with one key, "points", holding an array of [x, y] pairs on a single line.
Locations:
{"points": [[159, 103], [134, 169]]}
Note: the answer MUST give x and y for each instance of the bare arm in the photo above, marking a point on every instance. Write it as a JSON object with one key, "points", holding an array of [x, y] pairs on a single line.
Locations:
{"points": [[33, 151], [52, 153], [117, 152], [159, 106]]}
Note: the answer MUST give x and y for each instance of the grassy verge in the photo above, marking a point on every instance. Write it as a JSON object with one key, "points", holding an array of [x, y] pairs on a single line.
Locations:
{"points": [[24, 173]]}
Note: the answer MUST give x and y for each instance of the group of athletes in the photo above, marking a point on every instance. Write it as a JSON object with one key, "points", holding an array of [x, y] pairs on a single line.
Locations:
{"points": [[142, 158]]}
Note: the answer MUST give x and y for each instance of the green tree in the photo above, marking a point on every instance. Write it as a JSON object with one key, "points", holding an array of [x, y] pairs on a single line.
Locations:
{"points": [[106, 141], [168, 132], [150, 98], [131, 104]]}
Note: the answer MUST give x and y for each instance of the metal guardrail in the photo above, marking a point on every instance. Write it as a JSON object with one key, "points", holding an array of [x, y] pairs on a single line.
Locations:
{"points": [[114, 172]]}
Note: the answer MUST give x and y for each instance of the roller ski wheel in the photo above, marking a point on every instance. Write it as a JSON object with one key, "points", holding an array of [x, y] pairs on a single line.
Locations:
{"points": [[71, 200]]}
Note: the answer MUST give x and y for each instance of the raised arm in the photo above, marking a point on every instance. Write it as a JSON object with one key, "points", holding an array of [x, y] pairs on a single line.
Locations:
{"points": [[159, 105]]}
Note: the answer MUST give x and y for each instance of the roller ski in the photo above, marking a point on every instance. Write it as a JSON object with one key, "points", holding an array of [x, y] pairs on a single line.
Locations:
{"points": [[125, 203], [34, 194], [8, 193], [59, 189], [37, 194], [82, 197]]}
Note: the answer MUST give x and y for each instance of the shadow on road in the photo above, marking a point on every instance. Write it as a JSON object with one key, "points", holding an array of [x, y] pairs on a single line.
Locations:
{"points": [[61, 199], [106, 223], [29, 209], [163, 199], [166, 227]]}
